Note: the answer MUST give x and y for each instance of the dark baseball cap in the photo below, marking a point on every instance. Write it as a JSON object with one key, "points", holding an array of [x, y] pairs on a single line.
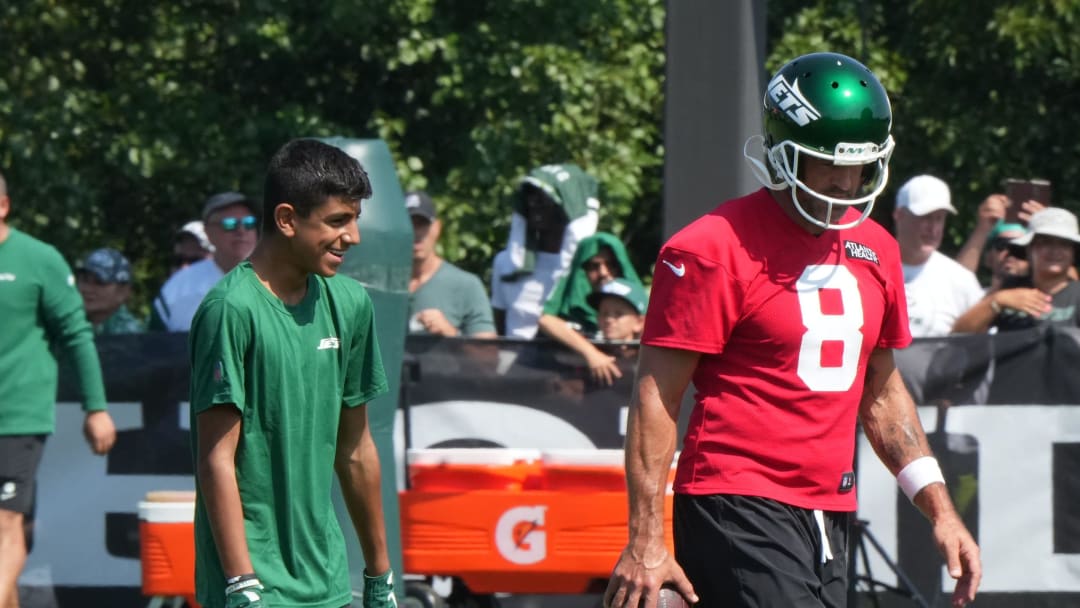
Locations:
{"points": [[227, 199], [420, 204], [108, 265]]}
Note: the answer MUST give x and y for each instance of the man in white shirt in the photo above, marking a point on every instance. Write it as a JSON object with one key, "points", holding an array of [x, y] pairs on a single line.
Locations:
{"points": [[938, 288], [231, 223]]}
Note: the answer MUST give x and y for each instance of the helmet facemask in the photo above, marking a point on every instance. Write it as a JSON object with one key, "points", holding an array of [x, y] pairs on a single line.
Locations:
{"points": [[784, 159]]}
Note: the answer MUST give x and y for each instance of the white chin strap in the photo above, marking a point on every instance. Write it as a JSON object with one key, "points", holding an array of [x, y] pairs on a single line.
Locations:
{"points": [[757, 166], [789, 179]]}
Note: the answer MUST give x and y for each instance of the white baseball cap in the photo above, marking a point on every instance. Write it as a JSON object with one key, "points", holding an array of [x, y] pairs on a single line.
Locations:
{"points": [[196, 229], [1052, 221], [924, 194]]}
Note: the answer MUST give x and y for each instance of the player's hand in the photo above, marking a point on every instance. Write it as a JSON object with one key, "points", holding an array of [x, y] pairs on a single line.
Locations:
{"points": [[637, 578], [961, 558], [245, 594], [100, 432], [602, 367], [379, 590]]}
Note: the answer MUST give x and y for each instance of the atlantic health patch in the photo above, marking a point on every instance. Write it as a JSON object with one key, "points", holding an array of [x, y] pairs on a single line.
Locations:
{"points": [[858, 251]]}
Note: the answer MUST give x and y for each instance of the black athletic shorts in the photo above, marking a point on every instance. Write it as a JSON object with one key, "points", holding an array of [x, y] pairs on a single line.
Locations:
{"points": [[20, 456], [750, 552]]}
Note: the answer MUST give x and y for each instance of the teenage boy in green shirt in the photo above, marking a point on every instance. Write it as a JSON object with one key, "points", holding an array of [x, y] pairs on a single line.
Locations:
{"points": [[284, 359], [40, 307]]}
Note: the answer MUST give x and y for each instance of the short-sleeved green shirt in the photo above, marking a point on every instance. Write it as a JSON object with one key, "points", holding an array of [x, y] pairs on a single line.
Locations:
{"points": [[289, 370], [459, 295]]}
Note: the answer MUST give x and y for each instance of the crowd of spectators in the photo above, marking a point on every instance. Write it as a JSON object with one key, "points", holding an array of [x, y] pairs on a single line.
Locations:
{"points": [[546, 281]]}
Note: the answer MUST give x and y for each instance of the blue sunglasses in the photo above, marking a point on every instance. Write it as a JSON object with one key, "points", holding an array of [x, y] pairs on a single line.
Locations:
{"points": [[230, 224]]}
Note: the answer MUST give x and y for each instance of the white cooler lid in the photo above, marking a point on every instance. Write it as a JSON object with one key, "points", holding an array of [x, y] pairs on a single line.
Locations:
{"points": [[493, 456], [167, 512], [611, 457], [589, 456]]}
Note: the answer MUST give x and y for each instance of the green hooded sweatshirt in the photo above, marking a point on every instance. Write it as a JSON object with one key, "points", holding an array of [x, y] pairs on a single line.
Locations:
{"points": [[569, 300]]}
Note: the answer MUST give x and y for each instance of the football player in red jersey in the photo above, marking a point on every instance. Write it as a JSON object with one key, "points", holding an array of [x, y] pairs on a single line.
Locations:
{"points": [[782, 307]]}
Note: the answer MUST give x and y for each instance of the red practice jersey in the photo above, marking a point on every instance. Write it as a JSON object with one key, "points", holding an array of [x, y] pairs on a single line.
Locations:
{"points": [[785, 322]]}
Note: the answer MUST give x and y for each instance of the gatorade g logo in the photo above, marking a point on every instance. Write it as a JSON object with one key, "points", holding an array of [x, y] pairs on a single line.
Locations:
{"points": [[791, 101], [520, 536]]}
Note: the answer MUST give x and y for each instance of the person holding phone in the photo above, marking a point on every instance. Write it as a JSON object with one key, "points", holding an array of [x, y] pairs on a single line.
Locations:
{"points": [[1000, 216], [1050, 294]]}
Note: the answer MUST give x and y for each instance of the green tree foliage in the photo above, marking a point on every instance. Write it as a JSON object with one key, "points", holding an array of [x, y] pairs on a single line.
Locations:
{"points": [[118, 117], [981, 91]]}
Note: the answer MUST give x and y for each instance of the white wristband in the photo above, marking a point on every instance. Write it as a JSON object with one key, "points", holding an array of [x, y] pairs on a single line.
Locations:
{"points": [[918, 474]]}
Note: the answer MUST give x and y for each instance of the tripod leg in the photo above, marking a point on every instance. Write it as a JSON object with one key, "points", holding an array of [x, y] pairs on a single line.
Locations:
{"points": [[856, 552], [907, 587], [866, 568], [852, 570]]}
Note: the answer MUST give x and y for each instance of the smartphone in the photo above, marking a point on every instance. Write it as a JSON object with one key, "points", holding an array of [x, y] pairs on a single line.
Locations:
{"points": [[1020, 190]]}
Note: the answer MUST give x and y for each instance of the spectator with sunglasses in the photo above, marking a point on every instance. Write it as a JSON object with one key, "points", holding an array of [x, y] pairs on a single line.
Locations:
{"points": [[1001, 259], [231, 224], [990, 236]]}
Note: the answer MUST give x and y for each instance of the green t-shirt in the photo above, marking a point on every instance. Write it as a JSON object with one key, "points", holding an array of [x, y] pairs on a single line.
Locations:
{"points": [[289, 370], [459, 295], [39, 307]]}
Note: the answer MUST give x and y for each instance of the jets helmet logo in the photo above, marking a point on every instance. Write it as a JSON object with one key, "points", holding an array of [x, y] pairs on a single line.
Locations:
{"points": [[791, 101]]}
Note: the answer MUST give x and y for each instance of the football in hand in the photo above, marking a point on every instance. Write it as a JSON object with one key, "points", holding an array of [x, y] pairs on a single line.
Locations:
{"points": [[670, 598]]}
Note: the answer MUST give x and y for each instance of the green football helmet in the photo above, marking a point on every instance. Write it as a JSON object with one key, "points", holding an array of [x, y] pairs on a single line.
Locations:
{"points": [[831, 107]]}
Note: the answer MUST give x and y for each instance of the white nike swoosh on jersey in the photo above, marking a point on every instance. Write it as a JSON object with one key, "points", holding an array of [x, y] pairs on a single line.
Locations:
{"points": [[679, 270]]}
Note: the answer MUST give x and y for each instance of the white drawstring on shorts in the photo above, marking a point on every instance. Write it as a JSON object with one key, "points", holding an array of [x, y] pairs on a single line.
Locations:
{"points": [[826, 548]]}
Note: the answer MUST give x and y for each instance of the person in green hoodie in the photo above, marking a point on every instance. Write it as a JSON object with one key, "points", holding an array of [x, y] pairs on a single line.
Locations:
{"points": [[41, 309], [569, 318]]}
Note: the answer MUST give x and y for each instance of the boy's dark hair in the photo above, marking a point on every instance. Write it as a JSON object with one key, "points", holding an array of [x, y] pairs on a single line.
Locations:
{"points": [[307, 172]]}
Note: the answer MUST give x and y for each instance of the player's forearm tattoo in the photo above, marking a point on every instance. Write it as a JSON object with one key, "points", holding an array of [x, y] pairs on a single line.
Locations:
{"points": [[890, 420]]}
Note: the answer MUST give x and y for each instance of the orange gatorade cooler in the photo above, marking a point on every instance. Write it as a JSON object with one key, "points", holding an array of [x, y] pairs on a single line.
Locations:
{"points": [[536, 541], [167, 545], [458, 469], [501, 524]]}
